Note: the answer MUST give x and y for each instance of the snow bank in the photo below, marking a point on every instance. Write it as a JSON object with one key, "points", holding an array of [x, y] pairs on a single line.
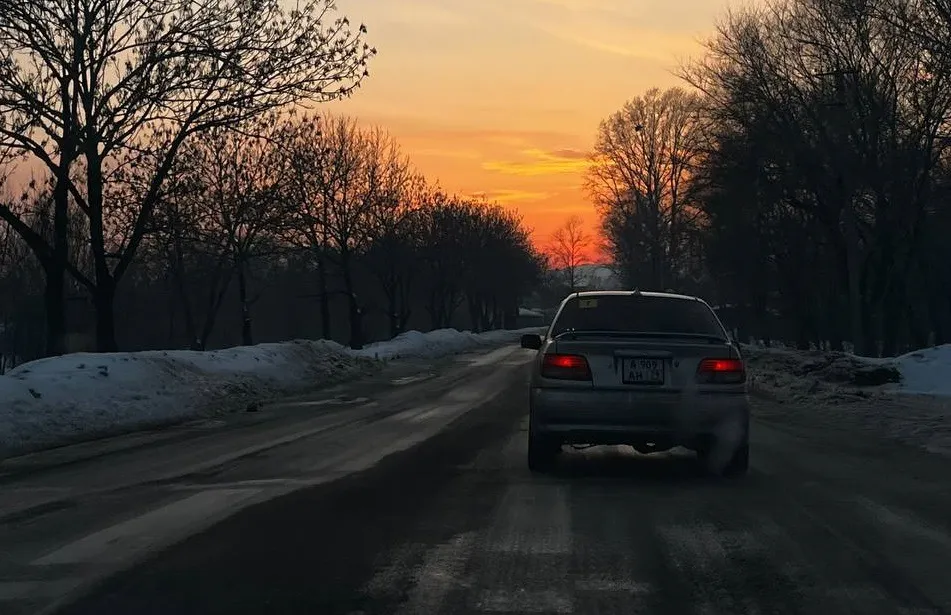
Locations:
{"points": [[82, 396], [927, 371], [434, 344], [922, 372], [907, 398]]}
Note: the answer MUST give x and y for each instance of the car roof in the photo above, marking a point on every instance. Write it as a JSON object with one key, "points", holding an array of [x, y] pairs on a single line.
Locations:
{"points": [[628, 293]]}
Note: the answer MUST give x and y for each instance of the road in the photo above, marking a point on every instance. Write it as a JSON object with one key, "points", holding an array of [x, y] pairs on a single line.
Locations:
{"points": [[414, 498]]}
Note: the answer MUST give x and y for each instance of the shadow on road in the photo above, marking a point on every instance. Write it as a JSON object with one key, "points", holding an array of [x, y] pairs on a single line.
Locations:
{"points": [[623, 465]]}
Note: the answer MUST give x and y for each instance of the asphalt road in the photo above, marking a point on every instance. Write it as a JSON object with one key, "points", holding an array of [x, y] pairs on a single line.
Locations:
{"points": [[826, 522]]}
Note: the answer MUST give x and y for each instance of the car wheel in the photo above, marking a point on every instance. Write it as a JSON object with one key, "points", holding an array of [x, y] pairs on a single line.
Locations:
{"points": [[541, 453], [739, 464]]}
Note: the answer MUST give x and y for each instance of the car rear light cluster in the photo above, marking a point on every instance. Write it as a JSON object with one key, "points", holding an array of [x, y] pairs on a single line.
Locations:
{"points": [[721, 371], [565, 367]]}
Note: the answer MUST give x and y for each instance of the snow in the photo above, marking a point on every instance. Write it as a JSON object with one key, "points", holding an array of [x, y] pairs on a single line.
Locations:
{"points": [[927, 371], [921, 372], [440, 342], [529, 313], [911, 402], [83, 396]]}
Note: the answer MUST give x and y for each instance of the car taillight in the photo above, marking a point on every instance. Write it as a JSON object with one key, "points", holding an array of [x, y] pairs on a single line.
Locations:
{"points": [[565, 367], [721, 371]]}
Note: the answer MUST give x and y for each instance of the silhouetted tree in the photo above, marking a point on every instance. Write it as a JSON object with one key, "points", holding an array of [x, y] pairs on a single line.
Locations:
{"points": [[120, 85], [639, 180], [569, 249]]}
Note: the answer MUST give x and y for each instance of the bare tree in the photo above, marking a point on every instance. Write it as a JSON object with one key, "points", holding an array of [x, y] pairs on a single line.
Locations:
{"points": [[393, 256], [843, 112], [344, 186], [569, 249], [495, 241], [228, 198], [119, 84], [309, 158], [447, 225], [643, 159]]}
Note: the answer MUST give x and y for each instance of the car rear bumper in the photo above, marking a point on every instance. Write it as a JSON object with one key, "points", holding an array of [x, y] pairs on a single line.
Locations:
{"points": [[623, 417]]}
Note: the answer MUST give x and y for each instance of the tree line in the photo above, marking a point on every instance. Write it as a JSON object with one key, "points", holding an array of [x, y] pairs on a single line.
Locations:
{"points": [[160, 173], [801, 178]]}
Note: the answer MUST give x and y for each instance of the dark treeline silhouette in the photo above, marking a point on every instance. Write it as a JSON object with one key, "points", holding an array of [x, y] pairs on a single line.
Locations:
{"points": [[294, 227], [161, 186], [803, 181]]}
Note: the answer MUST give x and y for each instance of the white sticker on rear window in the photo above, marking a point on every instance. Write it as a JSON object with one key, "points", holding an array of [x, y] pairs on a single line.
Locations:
{"points": [[585, 304]]}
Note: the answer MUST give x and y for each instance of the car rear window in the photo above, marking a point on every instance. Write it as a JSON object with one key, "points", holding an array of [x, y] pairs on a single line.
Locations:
{"points": [[637, 314]]}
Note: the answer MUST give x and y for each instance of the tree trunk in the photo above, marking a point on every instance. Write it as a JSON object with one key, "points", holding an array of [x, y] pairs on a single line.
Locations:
{"points": [[247, 339], [179, 275], [917, 328], [55, 268], [324, 297], [432, 306], [54, 298], [354, 313], [475, 313], [171, 323], [104, 300], [393, 316], [894, 309], [939, 308], [853, 268]]}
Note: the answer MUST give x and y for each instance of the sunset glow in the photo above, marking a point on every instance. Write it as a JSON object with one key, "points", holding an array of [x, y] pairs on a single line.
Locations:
{"points": [[502, 98]]}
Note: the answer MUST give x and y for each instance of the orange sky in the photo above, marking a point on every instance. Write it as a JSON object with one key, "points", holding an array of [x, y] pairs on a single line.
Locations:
{"points": [[503, 97]]}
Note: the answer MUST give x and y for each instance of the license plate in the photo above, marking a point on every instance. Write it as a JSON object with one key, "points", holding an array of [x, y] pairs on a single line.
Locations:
{"points": [[642, 371]]}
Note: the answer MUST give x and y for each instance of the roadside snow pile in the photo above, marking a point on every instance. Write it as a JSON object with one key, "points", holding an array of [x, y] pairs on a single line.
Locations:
{"points": [[441, 342], [906, 398], [818, 375], [840, 375], [78, 397], [926, 371]]}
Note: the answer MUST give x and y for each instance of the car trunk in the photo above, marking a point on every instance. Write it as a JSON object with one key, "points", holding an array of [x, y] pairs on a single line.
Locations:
{"points": [[661, 365]]}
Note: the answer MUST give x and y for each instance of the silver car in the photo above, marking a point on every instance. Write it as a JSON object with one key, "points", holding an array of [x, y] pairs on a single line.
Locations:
{"points": [[650, 370]]}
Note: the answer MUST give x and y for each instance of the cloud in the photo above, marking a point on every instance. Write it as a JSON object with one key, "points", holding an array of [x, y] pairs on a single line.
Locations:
{"points": [[447, 153], [541, 162], [599, 8], [506, 196], [574, 154], [637, 44]]}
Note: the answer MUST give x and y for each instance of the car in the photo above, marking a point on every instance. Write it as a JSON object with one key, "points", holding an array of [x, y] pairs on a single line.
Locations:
{"points": [[653, 370]]}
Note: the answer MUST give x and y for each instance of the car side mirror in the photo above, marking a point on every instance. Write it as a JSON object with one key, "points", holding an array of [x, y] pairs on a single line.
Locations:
{"points": [[531, 341]]}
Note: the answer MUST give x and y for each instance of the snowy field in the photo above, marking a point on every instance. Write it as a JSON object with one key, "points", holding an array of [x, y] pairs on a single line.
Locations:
{"points": [[906, 398], [83, 396]]}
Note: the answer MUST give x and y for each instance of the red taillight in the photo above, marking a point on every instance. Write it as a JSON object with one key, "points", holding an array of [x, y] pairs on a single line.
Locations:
{"points": [[565, 367], [723, 371]]}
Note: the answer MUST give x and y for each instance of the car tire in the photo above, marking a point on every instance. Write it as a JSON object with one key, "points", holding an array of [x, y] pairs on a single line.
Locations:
{"points": [[542, 453], [739, 463]]}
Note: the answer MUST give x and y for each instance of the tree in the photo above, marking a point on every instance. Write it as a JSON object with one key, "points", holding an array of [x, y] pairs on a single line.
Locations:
{"points": [[446, 228], [643, 159], [309, 160], [227, 197], [569, 249], [394, 253], [839, 104], [95, 90]]}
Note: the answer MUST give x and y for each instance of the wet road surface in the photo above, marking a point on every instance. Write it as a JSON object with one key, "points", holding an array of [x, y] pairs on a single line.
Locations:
{"points": [[826, 522]]}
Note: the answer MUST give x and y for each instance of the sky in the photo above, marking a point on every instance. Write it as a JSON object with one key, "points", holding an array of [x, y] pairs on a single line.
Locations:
{"points": [[503, 98]]}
